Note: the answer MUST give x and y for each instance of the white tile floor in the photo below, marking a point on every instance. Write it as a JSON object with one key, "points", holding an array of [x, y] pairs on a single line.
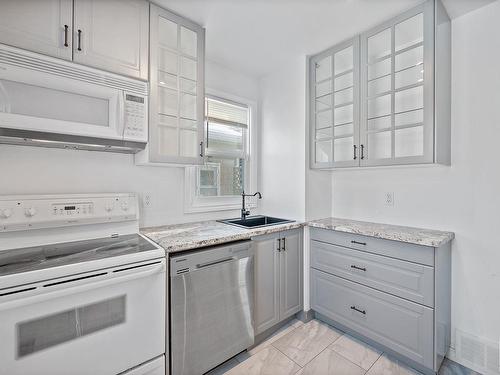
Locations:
{"points": [[316, 348]]}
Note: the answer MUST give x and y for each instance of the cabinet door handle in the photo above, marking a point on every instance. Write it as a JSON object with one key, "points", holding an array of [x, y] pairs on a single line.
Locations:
{"points": [[355, 156], [66, 27], [201, 149], [284, 244], [79, 44], [279, 245], [358, 310], [358, 243], [358, 268], [362, 152]]}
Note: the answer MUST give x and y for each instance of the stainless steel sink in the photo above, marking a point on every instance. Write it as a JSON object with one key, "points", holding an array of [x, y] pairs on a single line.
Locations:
{"points": [[256, 221]]}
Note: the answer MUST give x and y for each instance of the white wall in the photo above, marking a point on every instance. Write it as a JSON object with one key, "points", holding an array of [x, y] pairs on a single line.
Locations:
{"points": [[30, 170], [464, 198]]}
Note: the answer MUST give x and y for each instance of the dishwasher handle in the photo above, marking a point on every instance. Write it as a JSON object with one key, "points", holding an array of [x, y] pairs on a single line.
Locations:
{"points": [[220, 261]]}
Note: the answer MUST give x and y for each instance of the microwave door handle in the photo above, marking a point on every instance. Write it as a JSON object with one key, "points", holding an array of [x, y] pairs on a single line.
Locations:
{"points": [[120, 118], [116, 278], [4, 99]]}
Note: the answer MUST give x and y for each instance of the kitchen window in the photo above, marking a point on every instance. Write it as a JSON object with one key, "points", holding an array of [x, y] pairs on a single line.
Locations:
{"points": [[218, 184]]}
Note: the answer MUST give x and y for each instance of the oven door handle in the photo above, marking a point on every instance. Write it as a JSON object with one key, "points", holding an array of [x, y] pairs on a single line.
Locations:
{"points": [[43, 292]]}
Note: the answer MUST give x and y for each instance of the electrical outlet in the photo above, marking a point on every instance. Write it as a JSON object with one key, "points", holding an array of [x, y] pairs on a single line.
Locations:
{"points": [[389, 199]]}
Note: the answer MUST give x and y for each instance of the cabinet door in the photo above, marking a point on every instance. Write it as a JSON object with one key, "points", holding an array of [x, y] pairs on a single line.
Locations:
{"points": [[177, 54], [397, 90], [267, 267], [334, 113], [290, 273], [38, 26], [112, 35]]}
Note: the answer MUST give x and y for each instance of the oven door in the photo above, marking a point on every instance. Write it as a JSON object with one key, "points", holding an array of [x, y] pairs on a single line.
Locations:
{"points": [[45, 102], [103, 322]]}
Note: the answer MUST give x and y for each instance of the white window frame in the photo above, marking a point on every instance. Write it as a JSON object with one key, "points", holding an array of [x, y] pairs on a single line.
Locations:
{"points": [[194, 203]]}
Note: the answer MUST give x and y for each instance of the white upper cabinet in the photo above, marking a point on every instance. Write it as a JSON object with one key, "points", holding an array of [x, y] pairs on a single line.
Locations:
{"points": [[401, 113], [177, 90], [112, 35], [38, 26]]}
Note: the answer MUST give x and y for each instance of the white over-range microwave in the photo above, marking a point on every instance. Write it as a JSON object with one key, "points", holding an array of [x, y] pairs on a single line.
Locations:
{"points": [[48, 102]]}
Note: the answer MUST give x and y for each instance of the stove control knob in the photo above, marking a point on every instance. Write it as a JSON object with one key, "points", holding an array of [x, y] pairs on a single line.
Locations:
{"points": [[30, 211], [109, 206], [6, 213], [125, 206]]}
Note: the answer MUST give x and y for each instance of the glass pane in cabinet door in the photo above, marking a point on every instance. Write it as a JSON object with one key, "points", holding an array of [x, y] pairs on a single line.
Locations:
{"points": [[168, 101], [323, 119], [189, 143], [324, 102], [344, 115], [344, 81], [409, 32], [379, 86], [379, 123], [189, 42], [167, 33], [167, 141], [188, 68], [408, 77], [324, 69], [343, 149], [188, 106], [379, 145], [410, 58], [379, 45], [380, 106], [167, 80], [409, 141], [379, 69], [343, 130], [343, 60], [410, 99], [344, 96], [167, 61], [324, 151], [409, 118], [325, 133], [323, 88], [188, 86]]}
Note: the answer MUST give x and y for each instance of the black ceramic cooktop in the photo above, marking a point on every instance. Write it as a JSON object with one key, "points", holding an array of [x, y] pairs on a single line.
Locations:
{"points": [[41, 257]]}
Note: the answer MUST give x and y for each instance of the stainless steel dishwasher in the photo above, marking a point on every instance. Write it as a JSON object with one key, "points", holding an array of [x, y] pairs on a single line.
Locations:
{"points": [[211, 306]]}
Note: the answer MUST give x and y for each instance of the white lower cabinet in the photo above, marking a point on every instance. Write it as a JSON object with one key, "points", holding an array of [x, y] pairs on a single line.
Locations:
{"points": [[278, 278], [394, 295]]}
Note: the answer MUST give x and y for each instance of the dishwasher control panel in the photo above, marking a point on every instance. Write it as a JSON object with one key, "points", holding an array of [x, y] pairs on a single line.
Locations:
{"points": [[209, 257]]}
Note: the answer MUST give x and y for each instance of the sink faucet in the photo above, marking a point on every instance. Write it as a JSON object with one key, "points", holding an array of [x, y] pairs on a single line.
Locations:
{"points": [[244, 211]]}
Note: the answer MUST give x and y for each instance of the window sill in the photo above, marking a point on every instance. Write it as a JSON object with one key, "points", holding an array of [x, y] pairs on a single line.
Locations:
{"points": [[216, 204]]}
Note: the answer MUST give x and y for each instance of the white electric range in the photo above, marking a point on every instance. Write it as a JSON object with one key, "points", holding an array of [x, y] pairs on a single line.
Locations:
{"points": [[81, 291]]}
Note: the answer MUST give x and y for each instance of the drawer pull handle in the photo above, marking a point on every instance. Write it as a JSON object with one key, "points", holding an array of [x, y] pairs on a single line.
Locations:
{"points": [[358, 243], [360, 311], [358, 268]]}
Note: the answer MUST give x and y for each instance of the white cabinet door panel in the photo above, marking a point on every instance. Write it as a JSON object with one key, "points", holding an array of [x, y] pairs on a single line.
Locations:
{"points": [[38, 26], [112, 35]]}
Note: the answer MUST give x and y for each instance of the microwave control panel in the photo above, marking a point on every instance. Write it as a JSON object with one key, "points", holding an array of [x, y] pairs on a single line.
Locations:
{"points": [[136, 123]]}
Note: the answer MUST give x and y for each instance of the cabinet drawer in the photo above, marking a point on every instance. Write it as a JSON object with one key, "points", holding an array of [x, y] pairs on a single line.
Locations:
{"points": [[400, 325], [404, 279], [394, 249]]}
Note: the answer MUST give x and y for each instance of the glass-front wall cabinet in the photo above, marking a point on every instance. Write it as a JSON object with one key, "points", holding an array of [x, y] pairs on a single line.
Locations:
{"points": [[333, 108], [387, 117], [176, 120]]}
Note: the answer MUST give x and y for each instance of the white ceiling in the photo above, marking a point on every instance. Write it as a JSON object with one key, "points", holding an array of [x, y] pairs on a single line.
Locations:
{"points": [[256, 37]]}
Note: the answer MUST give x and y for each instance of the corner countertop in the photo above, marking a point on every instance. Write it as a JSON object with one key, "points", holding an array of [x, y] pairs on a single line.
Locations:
{"points": [[180, 237], [417, 236]]}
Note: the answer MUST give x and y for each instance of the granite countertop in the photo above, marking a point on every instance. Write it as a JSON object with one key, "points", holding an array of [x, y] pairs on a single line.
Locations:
{"points": [[179, 237], [417, 236]]}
